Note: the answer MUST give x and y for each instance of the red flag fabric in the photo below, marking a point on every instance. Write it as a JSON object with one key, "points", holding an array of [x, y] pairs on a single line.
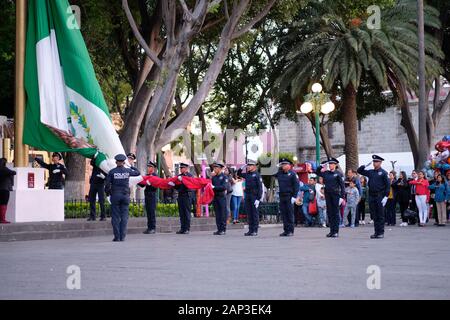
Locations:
{"points": [[190, 182]]}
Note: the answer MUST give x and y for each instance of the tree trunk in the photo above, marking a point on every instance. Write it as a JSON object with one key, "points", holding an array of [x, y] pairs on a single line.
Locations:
{"points": [[350, 120], [75, 179], [423, 99]]}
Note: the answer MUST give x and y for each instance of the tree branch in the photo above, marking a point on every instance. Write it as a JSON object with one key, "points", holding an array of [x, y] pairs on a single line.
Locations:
{"points": [[186, 12], [138, 35], [252, 22]]}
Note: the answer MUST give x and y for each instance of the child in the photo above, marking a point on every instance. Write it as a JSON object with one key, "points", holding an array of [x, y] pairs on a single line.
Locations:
{"points": [[441, 191], [322, 206], [353, 197]]}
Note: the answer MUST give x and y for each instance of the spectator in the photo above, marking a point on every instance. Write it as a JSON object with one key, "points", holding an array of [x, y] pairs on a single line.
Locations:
{"points": [[412, 200], [229, 190], [308, 196], [391, 202], [422, 194], [6, 184], [440, 197], [353, 175], [236, 196], [361, 209], [448, 195], [402, 194], [352, 200], [321, 205], [432, 201]]}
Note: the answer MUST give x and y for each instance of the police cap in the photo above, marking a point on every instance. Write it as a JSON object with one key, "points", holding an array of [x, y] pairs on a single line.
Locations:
{"points": [[120, 157], [131, 155], [376, 158]]}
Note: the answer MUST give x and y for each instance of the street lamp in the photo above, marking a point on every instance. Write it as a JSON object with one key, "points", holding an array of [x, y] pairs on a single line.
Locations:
{"points": [[318, 102]]}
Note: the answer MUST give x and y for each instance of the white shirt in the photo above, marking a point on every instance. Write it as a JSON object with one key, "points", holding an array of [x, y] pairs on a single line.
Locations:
{"points": [[238, 190]]}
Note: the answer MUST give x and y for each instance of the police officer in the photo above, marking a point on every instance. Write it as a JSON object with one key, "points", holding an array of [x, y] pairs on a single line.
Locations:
{"points": [[334, 193], [379, 187], [97, 187], [131, 158], [150, 199], [184, 200], [252, 194], [117, 185], [288, 188], [56, 171], [220, 183]]}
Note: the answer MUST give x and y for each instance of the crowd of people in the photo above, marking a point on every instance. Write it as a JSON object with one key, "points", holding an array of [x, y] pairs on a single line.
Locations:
{"points": [[416, 198]]}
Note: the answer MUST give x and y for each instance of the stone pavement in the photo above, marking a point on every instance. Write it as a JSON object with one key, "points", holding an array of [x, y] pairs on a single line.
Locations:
{"points": [[414, 264]]}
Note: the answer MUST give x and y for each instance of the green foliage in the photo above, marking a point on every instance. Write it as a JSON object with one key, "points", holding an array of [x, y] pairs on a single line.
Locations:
{"points": [[80, 209], [267, 161], [356, 55], [7, 56]]}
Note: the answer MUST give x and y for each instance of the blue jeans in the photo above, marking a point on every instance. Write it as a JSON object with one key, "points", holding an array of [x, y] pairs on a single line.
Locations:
{"points": [[235, 203], [322, 215], [308, 218]]}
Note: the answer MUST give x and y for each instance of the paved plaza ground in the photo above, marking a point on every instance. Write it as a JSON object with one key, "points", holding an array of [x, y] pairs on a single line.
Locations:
{"points": [[414, 264]]}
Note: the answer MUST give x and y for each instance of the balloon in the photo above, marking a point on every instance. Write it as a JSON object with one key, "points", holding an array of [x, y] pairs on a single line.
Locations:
{"points": [[428, 164], [430, 173]]}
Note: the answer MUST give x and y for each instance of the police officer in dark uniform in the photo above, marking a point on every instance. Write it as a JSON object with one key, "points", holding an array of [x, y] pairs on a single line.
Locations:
{"points": [[56, 171], [334, 193], [288, 188], [117, 185], [220, 183], [185, 197], [150, 199], [97, 187], [379, 187], [252, 195]]}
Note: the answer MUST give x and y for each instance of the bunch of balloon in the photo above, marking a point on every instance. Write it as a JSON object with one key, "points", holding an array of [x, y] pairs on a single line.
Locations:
{"points": [[439, 161]]}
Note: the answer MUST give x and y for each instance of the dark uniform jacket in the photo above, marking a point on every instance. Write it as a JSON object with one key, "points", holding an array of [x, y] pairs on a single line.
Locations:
{"points": [[287, 183], [182, 189], [379, 182], [6, 178], [253, 183], [220, 183], [56, 171], [96, 177], [333, 181], [117, 181]]}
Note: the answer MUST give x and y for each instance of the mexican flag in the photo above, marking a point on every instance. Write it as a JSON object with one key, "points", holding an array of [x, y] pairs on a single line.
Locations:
{"points": [[65, 108]]}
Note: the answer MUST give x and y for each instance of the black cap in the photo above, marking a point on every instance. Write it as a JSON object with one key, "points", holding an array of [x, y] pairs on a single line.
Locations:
{"points": [[57, 154], [151, 164], [284, 161], [184, 165], [333, 160], [131, 155], [218, 165], [377, 158], [251, 162], [120, 157], [324, 162]]}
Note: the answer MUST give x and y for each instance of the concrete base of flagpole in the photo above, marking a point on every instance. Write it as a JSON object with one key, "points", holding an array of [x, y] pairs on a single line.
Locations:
{"points": [[30, 202]]}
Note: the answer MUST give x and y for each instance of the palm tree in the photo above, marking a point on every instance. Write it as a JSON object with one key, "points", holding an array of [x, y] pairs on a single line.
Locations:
{"points": [[325, 48]]}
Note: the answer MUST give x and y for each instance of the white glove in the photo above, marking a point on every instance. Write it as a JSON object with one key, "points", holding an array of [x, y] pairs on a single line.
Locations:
{"points": [[171, 184], [256, 203], [180, 178], [56, 171], [383, 202], [149, 183], [293, 200], [101, 176], [213, 186], [109, 199], [341, 201]]}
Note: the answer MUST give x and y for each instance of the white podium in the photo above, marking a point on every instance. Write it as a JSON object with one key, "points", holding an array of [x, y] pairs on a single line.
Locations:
{"points": [[30, 202]]}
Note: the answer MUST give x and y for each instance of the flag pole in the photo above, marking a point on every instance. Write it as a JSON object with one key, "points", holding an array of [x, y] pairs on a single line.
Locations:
{"points": [[20, 150]]}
